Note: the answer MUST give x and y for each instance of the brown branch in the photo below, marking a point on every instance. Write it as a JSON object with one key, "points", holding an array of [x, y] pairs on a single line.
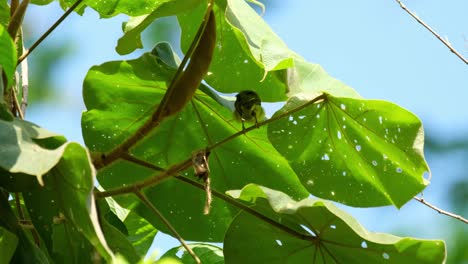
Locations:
{"points": [[177, 168], [446, 43], [60, 20], [145, 200], [440, 211]]}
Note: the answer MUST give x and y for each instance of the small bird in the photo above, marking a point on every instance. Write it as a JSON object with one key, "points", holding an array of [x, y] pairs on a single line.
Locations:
{"points": [[248, 108]]}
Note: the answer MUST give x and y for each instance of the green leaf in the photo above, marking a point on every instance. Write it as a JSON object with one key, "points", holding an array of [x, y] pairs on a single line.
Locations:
{"points": [[41, 2], [139, 7], [255, 35], [64, 211], [8, 243], [141, 233], [26, 251], [7, 55], [120, 96], [207, 254], [309, 80], [22, 151], [131, 40], [322, 233], [229, 54], [119, 243], [4, 13], [357, 152], [262, 62]]}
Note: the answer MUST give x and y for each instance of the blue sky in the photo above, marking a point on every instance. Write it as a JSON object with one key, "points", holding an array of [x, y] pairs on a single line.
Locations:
{"points": [[373, 46]]}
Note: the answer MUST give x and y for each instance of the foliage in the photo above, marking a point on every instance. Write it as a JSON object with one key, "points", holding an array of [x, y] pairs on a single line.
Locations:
{"points": [[144, 119]]}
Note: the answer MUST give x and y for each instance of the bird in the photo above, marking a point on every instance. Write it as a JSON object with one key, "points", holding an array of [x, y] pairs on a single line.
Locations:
{"points": [[248, 108]]}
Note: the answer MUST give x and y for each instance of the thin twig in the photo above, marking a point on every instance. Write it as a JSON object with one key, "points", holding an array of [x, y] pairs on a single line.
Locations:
{"points": [[24, 83], [440, 211], [18, 206], [60, 20], [446, 43], [16, 103], [175, 169], [145, 200]]}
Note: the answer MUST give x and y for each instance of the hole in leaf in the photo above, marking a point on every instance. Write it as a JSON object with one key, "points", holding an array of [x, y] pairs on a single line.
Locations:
{"points": [[426, 175], [308, 230], [333, 226], [358, 147], [399, 170], [385, 255], [325, 157], [279, 242], [179, 253], [364, 244]]}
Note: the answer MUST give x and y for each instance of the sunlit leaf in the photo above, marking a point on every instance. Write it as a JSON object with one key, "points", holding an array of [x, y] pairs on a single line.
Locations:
{"points": [[4, 13], [7, 55], [131, 40], [233, 68], [120, 96], [321, 233], [357, 152], [207, 254]]}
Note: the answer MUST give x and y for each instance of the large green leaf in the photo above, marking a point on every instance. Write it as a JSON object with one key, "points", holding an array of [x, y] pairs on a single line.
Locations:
{"points": [[249, 55], [22, 151], [256, 36], [63, 211], [7, 55], [233, 68], [357, 152], [4, 13], [319, 233], [131, 40], [8, 243], [205, 252], [120, 96]]}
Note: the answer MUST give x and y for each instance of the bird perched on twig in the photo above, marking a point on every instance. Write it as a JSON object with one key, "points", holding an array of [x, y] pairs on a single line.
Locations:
{"points": [[248, 108]]}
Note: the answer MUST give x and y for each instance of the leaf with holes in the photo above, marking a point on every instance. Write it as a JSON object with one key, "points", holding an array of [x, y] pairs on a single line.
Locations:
{"points": [[207, 254], [314, 231], [357, 152], [120, 97]]}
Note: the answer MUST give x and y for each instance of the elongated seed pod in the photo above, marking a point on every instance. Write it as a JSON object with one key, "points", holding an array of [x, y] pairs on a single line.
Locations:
{"points": [[183, 88]]}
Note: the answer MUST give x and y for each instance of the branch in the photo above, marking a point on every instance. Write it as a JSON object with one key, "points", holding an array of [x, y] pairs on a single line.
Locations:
{"points": [[440, 211], [60, 20], [181, 79], [446, 43], [177, 168], [145, 200], [24, 84]]}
